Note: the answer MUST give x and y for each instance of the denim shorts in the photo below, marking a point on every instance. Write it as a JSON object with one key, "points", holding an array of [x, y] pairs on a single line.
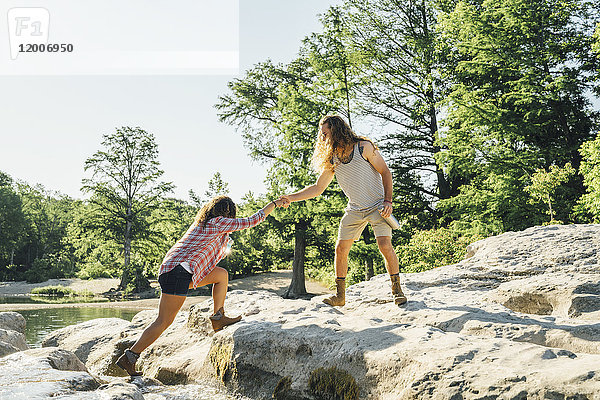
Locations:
{"points": [[176, 281]]}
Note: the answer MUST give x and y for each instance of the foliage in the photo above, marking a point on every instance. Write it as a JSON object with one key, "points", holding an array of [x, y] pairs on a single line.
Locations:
{"points": [[590, 169], [50, 267], [216, 187], [518, 103], [125, 185], [13, 224], [59, 291], [395, 48], [434, 248], [545, 183], [360, 255], [277, 109]]}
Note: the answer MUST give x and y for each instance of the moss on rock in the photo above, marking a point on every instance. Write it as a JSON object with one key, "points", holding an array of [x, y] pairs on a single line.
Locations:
{"points": [[332, 384], [220, 357]]}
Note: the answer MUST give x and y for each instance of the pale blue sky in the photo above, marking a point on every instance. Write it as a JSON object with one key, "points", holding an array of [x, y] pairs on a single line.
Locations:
{"points": [[49, 125]]}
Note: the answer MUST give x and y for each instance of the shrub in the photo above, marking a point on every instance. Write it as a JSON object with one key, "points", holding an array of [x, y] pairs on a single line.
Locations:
{"points": [[94, 270], [59, 291], [434, 248]]}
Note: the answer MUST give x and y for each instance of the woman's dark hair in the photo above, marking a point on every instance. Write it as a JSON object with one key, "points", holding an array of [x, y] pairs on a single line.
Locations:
{"points": [[220, 206]]}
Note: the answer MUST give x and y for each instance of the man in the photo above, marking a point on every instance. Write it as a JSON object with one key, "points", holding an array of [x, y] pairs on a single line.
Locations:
{"points": [[367, 182]]}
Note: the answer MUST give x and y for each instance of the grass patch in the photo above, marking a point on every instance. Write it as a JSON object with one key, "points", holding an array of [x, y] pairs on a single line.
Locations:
{"points": [[59, 291]]}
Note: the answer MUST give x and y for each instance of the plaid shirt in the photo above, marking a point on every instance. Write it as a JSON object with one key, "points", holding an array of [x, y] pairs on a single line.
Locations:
{"points": [[204, 247]]}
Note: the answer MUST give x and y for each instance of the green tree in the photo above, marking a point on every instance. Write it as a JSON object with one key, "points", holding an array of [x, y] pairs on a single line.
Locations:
{"points": [[48, 214], [395, 48], [125, 185], [216, 187], [278, 109], [590, 169], [544, 184], [518, 102], [12, 226]]}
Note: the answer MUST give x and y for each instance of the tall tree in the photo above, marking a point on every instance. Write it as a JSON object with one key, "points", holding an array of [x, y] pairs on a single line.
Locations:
{"points": [[394, 46], [518, 102], [216, 187], [278, 109], [125, 184]]}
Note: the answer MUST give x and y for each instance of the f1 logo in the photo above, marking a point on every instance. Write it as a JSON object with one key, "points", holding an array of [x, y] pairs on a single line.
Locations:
{"points": [[27, 25]]}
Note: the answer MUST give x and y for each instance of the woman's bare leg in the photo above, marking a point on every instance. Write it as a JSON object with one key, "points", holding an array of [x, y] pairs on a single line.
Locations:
{"points": [[219, 277], [168, 307]]}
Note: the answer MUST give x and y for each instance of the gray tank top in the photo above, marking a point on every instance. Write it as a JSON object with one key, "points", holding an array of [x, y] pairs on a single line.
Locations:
{"points": [[360, 182]]}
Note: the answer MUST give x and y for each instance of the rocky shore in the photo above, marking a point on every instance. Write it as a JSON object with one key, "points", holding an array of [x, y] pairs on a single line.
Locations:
{"points": [[517, 319]]}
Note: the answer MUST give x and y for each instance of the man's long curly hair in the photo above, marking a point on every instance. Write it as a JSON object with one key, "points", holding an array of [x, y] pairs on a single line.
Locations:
{"points": [[327, 150], [220, 206]]}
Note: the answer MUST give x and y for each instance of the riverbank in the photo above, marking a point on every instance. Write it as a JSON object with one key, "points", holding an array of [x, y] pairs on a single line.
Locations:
{"points": [[275, 282]]}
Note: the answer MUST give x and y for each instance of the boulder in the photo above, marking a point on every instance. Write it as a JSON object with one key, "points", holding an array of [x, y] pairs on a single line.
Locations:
{"points": [[43, 373], [12, 321], [121, 391], [518, 318], [12, 340], [12, 333]]}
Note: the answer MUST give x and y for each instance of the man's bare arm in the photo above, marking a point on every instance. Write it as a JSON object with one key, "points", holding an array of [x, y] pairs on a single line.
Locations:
{"points": [[374, 157], [311, 191]]}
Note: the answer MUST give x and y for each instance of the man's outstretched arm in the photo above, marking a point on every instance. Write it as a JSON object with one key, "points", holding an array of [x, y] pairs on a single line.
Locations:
{"points": [[310, 191]]}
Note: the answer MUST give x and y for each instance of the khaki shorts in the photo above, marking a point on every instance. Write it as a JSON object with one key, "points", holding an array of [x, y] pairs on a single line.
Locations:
{"points": [[354, 222]]}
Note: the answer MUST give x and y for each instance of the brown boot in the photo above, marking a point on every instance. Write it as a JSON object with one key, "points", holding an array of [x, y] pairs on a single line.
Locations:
{"points": [[339, 299], [127, 362], [220, 321], [399, 297]]}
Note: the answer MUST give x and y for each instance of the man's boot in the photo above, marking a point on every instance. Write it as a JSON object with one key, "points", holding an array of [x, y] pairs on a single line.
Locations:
{"points": [[399, 297], [339, 299], [220, 321]]}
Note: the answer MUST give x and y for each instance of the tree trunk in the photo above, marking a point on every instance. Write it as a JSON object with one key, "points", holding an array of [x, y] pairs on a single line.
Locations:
{"points": [[127, 255], [369, 271], [297, 287]]}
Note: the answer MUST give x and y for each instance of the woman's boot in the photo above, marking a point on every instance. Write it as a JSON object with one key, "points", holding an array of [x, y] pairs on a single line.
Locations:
{"points": [[339, 299], [220, 321], [127, 362], [399, 297]]}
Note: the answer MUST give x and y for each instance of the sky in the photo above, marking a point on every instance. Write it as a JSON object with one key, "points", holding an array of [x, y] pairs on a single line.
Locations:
{"points": [[50, 124]]}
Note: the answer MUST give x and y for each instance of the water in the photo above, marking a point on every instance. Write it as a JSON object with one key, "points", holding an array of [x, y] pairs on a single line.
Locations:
{"points": [[43, 321], [26, 299]]}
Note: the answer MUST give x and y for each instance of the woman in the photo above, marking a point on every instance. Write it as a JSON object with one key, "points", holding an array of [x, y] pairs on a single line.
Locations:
{"points": [[191, 263]]}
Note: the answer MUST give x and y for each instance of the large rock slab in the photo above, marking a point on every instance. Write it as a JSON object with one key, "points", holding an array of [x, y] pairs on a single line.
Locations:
{"points": [[517, 319]]}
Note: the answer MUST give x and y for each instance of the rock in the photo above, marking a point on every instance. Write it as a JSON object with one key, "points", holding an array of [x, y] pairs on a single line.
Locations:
{"points": [[82, 338], [13, 339], [12, 321], [6, 349], [12, 333], [43, 373], [121, 391], [518, 318]]}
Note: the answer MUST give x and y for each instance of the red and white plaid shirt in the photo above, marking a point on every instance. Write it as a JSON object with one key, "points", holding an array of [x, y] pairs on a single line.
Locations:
{"points": [[203, 247]]}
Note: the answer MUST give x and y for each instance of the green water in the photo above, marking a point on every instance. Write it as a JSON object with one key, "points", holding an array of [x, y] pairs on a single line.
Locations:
{"points": [[43, 321]]}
